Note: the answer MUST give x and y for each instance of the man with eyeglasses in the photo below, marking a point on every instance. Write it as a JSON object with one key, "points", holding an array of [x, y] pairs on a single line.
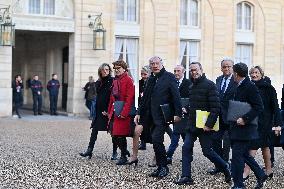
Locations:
{"points": [[226, 87], [179, 128], [161, 88], [203, 95]]}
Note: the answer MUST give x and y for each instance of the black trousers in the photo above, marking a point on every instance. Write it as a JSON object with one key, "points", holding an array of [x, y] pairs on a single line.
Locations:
{"points": [[221, 144], [158, 132], [205, 140], [93, 139], [122, 144], [240, 156], [17, 106], [53, 103], [37, 103]]}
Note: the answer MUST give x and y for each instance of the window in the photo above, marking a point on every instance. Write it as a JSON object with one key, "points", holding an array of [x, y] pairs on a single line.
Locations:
{"points": [[189, 52], [34, 6], [244, 16], [189, 12], [244, 54], [127, 10], [127, 49], [46, 7], [49, 7]]}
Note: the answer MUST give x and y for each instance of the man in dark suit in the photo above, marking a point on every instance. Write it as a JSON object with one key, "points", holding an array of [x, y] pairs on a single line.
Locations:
{"points": [[226, 87], [203, 95], [179, 127], [37, 87], [244, 130], [161, 89]]}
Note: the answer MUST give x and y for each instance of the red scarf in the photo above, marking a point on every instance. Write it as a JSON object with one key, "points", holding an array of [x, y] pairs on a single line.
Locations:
{"points": [[116, 85]]}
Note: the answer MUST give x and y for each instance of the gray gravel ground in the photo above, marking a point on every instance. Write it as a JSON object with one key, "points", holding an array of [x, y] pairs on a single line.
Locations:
{"points": [[42, 152]]}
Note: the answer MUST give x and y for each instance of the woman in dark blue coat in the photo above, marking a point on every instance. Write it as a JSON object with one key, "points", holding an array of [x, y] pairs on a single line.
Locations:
{"points": [[17, 86], [269, 118]]}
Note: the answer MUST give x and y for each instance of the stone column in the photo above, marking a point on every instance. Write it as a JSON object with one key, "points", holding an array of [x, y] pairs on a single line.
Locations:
{"points": [[5, 81]]}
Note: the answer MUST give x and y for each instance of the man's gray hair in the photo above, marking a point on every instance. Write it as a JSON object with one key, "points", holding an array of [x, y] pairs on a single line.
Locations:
{"points": [[181, 66], [146, 69], [227, 59], [155, 59]]}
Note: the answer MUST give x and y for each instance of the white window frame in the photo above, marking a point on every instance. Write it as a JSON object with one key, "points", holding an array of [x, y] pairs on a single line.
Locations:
{"points": [[125, 38], [42, 8], [187, 56], [243, 16], [188, 20], [239, 59], [125, 13]]}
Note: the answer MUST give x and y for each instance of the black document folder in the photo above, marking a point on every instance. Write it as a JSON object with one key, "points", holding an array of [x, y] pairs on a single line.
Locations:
{"points": [[237, 109], [118, 106], [168, 113]]}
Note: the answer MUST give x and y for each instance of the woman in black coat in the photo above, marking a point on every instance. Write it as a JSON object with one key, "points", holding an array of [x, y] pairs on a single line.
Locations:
{"points": [[269, 118], [100, 123]]}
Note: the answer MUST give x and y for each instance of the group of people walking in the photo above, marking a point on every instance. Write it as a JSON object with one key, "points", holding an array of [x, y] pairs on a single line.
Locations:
{"points": [[254, 129], [36, 87]]}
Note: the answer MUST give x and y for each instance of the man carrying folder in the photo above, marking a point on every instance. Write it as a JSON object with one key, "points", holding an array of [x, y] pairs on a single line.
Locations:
{"points": [[203, 95], [161, 89], [244, 129]]}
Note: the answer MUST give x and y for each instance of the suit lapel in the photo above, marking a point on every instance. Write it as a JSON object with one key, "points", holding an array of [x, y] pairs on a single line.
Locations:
{"points": [[219, 82], [230, 85]]}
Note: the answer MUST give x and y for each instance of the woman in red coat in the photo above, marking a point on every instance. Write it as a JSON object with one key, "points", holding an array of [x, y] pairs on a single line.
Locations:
{"points": [[123, 90]]}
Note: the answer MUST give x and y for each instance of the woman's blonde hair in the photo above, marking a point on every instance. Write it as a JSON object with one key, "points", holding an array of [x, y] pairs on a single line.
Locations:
{"points": [[258, 68]]}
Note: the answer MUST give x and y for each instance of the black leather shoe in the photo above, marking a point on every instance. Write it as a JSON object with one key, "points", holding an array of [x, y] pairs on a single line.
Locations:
{"points": [[214, 171], [184, 181], [155, 173], [39, 113], [122, 161], [164, 171], [114, 156], [227, 173], [135, 162], [55, 113], [261, 182], [88, 153], [35, 113]]}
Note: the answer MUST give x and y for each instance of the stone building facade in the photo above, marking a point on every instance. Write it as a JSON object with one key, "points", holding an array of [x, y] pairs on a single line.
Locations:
{"points": [[52, 36]]}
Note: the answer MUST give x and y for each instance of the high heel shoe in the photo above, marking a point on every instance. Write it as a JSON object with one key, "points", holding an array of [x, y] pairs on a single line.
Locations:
{"points": [[87, 153], [135, 162], [270, 176]]}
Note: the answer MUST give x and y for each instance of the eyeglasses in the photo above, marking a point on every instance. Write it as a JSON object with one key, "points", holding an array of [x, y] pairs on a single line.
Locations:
{"points": [[226, 67], [117, 68], [177, 70]]}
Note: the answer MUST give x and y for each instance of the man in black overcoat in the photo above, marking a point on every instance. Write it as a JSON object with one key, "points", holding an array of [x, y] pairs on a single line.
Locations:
{"points": [[244, 130], [161, 89]]}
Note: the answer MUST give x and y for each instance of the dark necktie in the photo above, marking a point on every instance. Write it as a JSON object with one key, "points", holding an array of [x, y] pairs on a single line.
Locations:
{"points": [[224, 85], [178, 83]]}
